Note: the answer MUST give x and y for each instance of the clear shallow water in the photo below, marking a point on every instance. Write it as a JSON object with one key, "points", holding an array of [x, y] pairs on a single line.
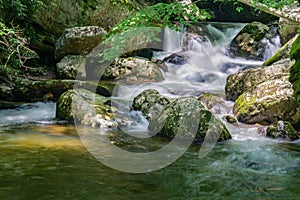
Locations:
{"points": [[49, 162]]}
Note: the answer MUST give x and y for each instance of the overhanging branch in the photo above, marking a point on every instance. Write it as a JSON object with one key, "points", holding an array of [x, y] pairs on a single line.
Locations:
{"points": [[278, 13]]}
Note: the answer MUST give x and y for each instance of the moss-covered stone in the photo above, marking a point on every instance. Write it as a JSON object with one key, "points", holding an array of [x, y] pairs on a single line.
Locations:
{"points": [[188, 116], [282, 129], [86, 108], [267, 102]]}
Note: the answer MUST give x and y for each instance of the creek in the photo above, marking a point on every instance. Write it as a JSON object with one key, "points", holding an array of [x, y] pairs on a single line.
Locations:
{"points": [[43, 158]]}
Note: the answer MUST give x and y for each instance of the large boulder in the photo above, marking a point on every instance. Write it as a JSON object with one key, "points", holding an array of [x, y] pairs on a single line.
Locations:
{"points": [[133, 70], [85, 108], [78, 41], [282, 129], [71, 67], [188, 114], [248, 42], [266, 102], [238, 83]]}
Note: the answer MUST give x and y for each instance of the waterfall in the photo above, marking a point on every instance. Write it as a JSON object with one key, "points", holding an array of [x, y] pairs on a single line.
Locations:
{"points": [[172, 41]]}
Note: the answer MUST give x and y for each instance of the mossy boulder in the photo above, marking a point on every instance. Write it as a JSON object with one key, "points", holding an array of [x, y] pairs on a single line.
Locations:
{"points": [[86, 108], [238, 83], [267, 102], [282, 129], [150, 103], [188, 116], [248, 42], [71, 67], [133, 70]]}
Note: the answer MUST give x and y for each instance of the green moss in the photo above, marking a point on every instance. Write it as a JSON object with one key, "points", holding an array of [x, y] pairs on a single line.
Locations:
{"points": [[295, 50]]}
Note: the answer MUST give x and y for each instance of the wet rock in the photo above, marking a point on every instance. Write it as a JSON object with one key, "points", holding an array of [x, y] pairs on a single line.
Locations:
{"points": [[188, 116], [133, 70], [86, 108], [266, 102], [238, 83], [78, 41], [248, 42], [282, 129], [150, 103], [179, 58], [71, 67]]}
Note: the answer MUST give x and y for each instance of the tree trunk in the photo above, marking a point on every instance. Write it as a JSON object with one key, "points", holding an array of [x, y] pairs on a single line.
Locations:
{"points": [[272, 11]]}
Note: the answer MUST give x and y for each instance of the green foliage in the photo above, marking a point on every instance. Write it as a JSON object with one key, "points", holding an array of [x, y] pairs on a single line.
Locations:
{"points": [[161, 15], [14, 50]]}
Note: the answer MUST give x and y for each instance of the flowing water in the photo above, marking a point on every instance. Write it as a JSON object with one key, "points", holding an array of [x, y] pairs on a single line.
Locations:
{"points": [[42, 158]]}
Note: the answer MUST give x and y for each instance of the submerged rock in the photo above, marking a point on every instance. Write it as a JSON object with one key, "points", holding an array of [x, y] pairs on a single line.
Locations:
{"points": [[238, 83], [71, 67], [188, 116], [133, 70], [248, 42], [78, 41], [266, 102], [85, 108], [282, 129]]}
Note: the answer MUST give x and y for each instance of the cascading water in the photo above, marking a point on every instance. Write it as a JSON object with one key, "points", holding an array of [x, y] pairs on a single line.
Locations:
{"points": [[31, 112]]}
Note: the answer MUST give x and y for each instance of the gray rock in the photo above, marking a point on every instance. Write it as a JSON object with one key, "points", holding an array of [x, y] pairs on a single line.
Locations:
{"points": [[71, 67], [238, 83], [266, 102], [78, 41], [133, 70]]}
